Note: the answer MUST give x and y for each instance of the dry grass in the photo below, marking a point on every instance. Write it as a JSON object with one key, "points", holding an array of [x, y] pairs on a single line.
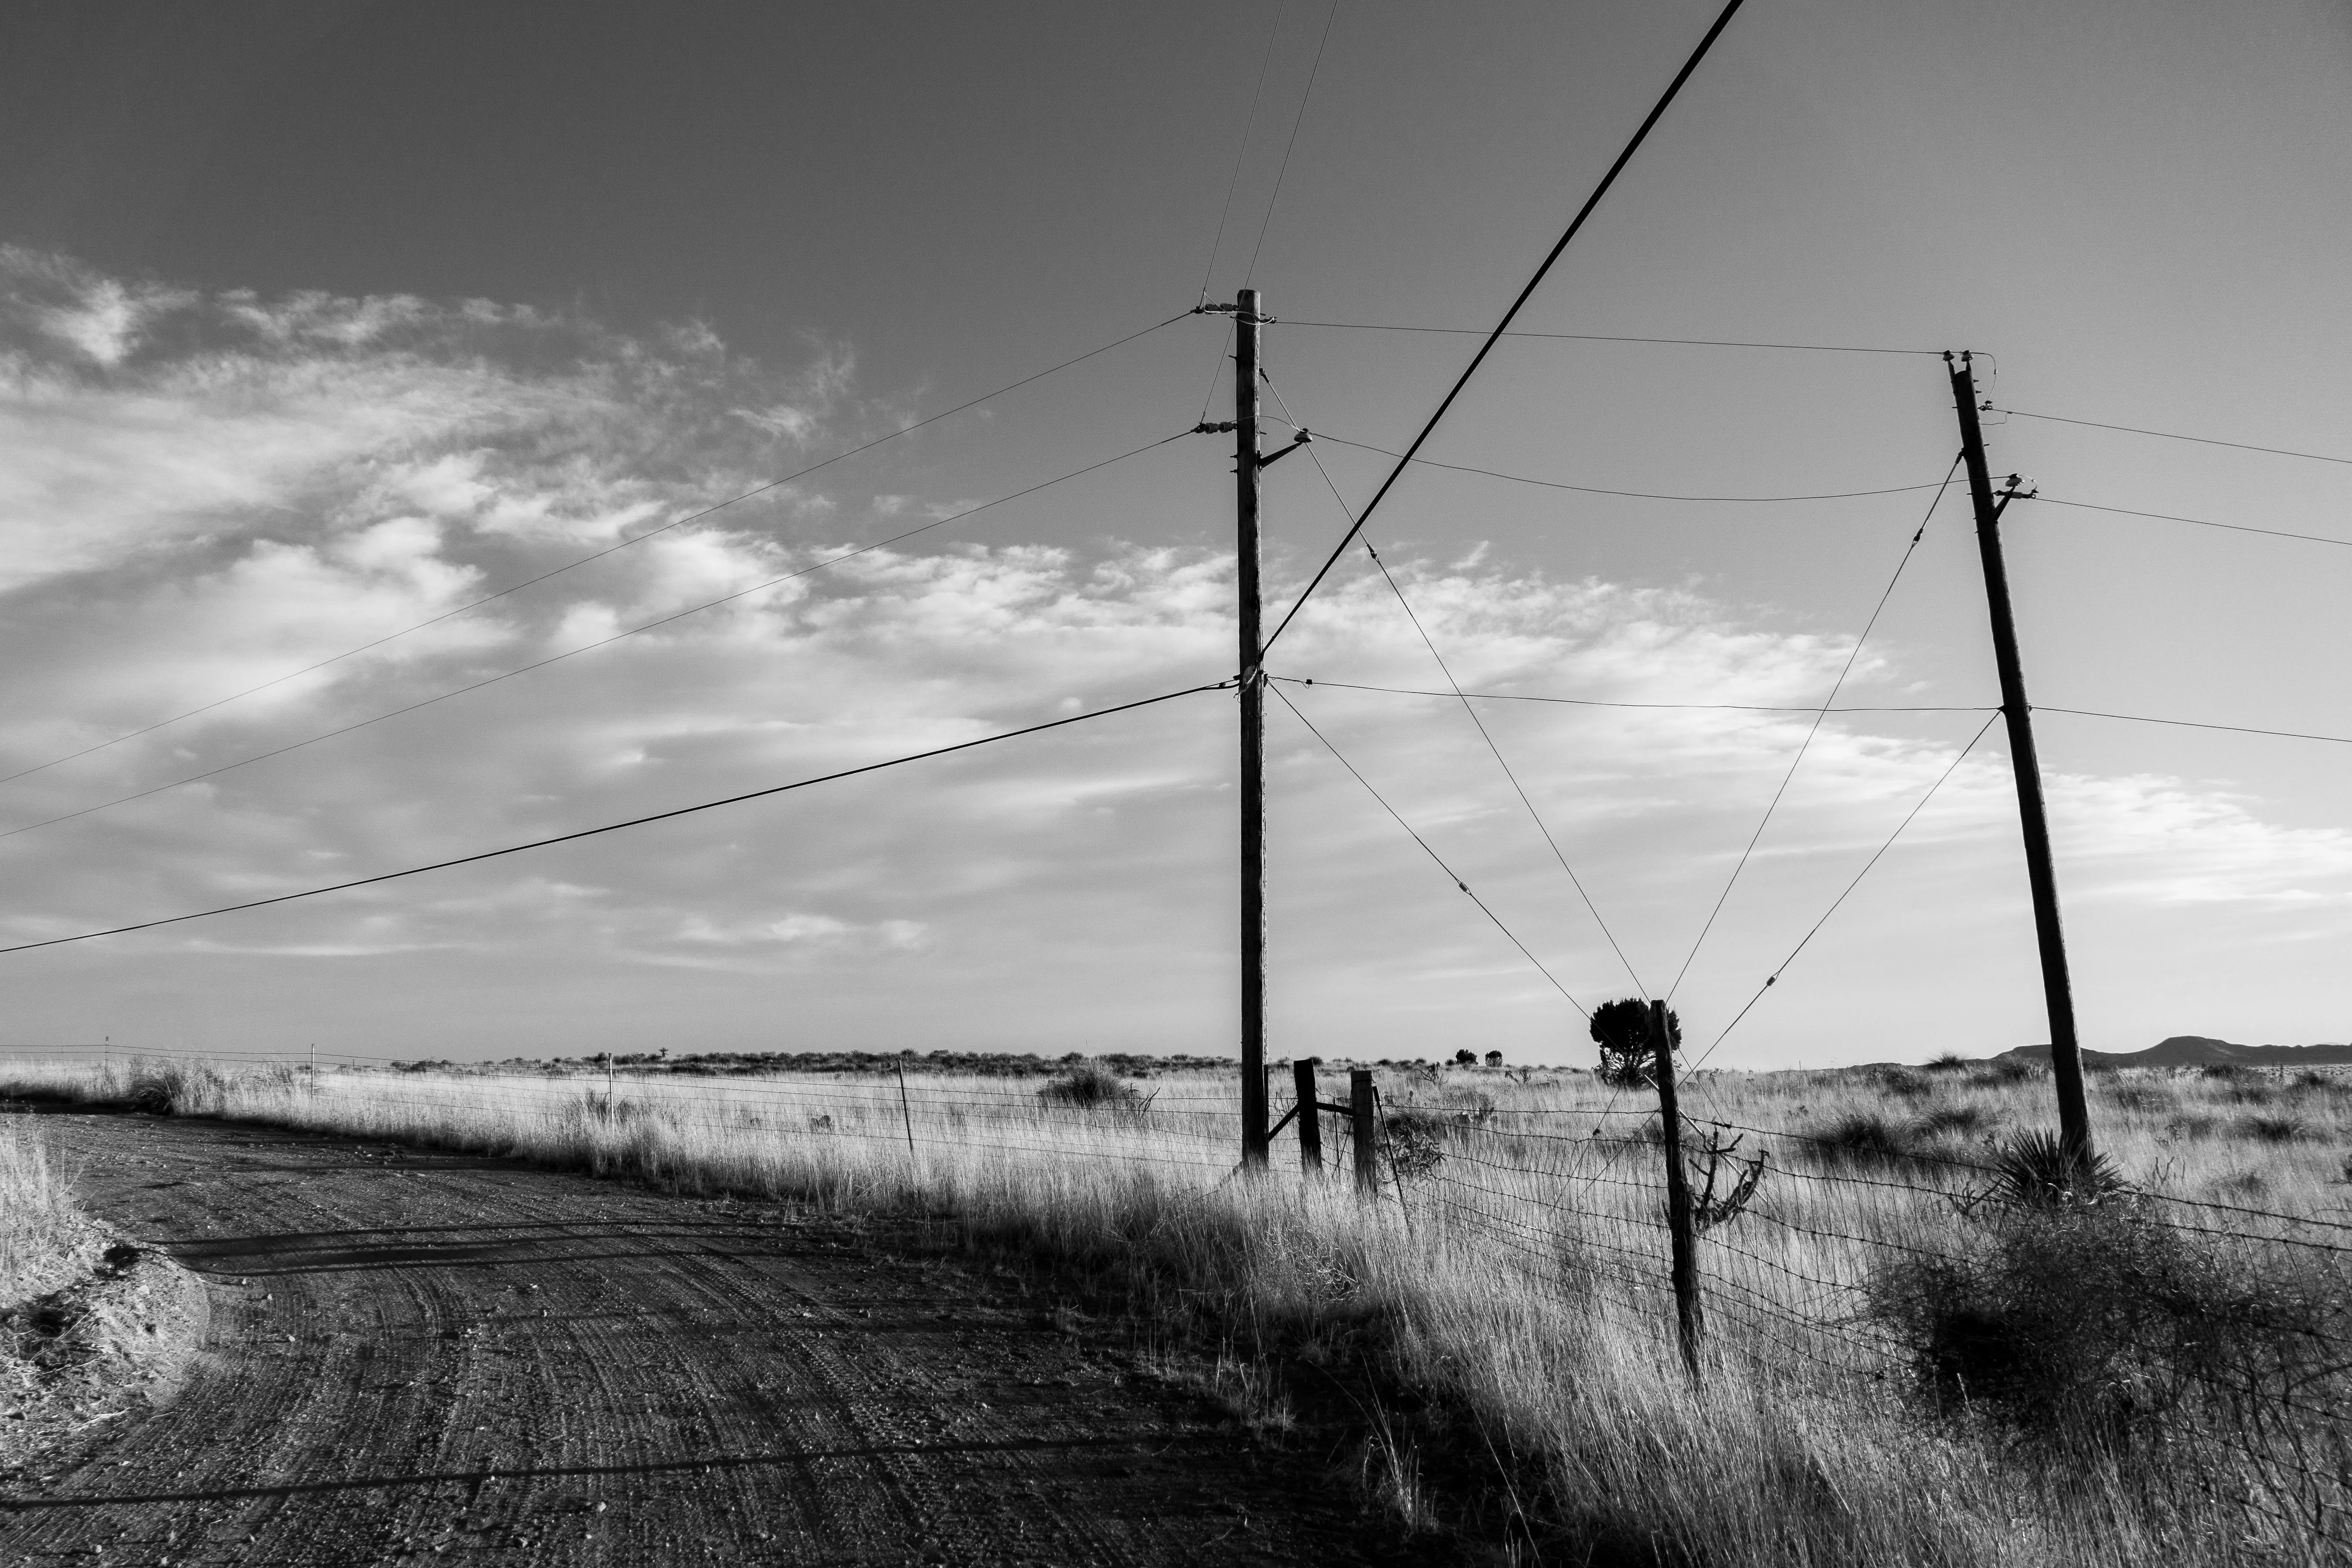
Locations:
{"points": [[1515, 1293], [45, 1241]]}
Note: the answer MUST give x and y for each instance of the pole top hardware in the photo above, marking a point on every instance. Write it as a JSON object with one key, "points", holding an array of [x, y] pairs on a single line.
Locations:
{"points": [[1306, 439], [1233, 310], [1205, 429]]}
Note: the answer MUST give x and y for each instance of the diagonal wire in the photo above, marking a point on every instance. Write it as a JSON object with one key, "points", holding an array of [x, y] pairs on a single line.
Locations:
{"points": [[586, 647], [1304, 99], [1242, 151], [598, 555], [1446, 670], [1542, 270], [1635, 495], [2173, 435], [615, 827], [1783, 966], [1452, 875], [1820, 718]]}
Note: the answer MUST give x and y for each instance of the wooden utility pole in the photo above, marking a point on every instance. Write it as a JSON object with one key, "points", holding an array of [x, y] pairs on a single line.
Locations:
{"points": [[2057, 987], [1681, 1234], [1248, 319]]}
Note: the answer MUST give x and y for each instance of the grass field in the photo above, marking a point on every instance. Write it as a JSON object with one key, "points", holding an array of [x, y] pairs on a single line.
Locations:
{"points": [[1512, 1281]]}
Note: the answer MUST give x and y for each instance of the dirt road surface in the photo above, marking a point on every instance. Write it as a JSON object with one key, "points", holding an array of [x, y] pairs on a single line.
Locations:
{"points": [[413, 1357]]}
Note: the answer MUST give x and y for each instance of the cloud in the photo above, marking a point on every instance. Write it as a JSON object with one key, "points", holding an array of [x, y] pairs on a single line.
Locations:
{"points": [[203, 492]]}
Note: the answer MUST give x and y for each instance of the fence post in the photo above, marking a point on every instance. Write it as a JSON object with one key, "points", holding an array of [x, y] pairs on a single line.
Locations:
{"points": [[1364, 1121], [1678, 1205], [1311, 1117]]}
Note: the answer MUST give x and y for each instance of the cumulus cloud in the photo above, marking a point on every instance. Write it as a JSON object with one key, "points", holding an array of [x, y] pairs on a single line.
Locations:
{"points": [[206, 493]]}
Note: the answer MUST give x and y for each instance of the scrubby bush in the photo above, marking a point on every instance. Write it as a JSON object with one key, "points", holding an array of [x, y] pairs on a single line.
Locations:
{"points": [[2102, 1325], [2275, 1129], [1090, 1086], [1861, 1139], [1955, 1121]]}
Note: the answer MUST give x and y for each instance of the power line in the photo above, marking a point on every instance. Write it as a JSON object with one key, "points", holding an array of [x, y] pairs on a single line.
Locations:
{"points": [[2193, 724], [1780, 968], [1614, 338], [615, 827], [586, 647], [1596, 702], [2171, 435], [2201, 522], [1575, 224], [1242, 151], [1442, 668], [1304, 99], [1819, 720], [1439, 859], [598, 555], [1637, 495]]}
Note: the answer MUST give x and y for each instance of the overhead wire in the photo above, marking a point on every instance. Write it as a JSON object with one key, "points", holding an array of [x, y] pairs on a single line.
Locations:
{"points": [[1636, 495], [1616, 338], [2173, 435], [615, 827], [586, 647], [1781, 968], [2174, 517], [2194, 725], [1283, 172], [1435, 856], [1511, 314], [1852, 656], [1597, 702], [1479, 723], [600, 555]]}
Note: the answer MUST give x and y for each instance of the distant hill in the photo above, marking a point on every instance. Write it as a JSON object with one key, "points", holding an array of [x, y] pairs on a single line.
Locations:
{"points": [[2198, 1050]]}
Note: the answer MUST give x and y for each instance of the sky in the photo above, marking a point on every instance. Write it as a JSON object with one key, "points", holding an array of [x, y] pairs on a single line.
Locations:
{"points": [[320, 321]]}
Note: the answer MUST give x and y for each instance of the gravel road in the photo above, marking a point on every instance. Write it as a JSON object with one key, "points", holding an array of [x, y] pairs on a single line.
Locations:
{"points": [[415, 1357]]}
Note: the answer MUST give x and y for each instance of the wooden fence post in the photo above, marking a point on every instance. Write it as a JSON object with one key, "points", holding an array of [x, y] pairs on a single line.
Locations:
{"points": [[1365, 1126], [1683, 1235], [1311, 1117]]}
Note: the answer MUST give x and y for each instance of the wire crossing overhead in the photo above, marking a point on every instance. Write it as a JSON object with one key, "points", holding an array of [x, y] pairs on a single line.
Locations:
{"points": [[1598, 703], [1636, 495], [2171, 435], [2198, 522], [619, 827], [1616, 338], [1438, 859], [1495, 336]]}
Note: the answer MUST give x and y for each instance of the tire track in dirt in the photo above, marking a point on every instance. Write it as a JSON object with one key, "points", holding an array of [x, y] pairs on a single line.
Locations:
{"points": [[414, 1357]]}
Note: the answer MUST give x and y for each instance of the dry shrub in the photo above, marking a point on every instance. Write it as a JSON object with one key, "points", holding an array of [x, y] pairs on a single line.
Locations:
{"points": [[2275, 1129], [2103, 1326], [1090, 1086]]}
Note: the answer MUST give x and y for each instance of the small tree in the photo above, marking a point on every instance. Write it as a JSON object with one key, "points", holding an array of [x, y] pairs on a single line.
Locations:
{"points": [[1621, 1030], [1465, 1059], [1494, 1059]]}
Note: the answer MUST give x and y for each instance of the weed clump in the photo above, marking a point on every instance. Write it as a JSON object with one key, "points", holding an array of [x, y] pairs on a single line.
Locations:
{"points": [[1090, 1086], [2275, 1129], [1861, 1139]]}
